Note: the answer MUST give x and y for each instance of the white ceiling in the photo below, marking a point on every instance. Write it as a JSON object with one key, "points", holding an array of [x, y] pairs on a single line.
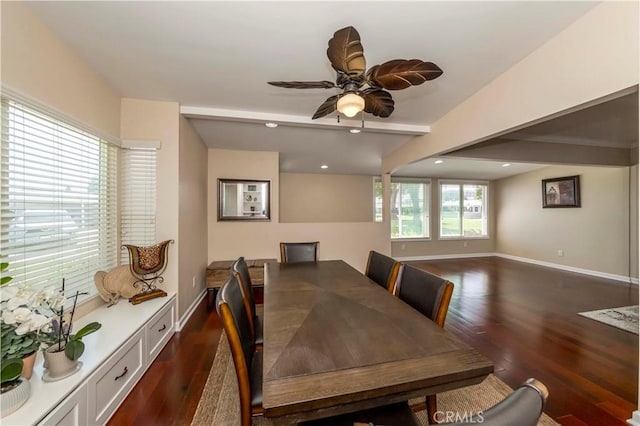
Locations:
{"points": [[220, 55]]}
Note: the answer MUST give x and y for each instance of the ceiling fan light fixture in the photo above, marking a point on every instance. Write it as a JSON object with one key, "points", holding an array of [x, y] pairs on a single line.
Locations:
{"points": [[350, 104]]}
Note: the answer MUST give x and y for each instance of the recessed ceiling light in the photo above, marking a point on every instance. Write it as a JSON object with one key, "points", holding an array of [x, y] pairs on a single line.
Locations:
{"points": [[506, 164], [439, 161], [324, 166], [271, 125], [354, 131]]}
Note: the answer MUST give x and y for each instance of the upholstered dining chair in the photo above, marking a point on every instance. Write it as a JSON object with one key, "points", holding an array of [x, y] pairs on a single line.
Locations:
{"points": [[241, 272], [299, 252], [430, 295], [247, 362], [522, 407], [382, 269]]}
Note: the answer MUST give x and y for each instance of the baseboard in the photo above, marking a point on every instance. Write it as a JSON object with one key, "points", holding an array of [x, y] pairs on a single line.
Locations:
{"points": [[635, 419], [442, 256], [593, 273], [526, 260], [185, 318]]}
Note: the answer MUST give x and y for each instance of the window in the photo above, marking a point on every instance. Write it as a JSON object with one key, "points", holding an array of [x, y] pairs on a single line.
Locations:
{"points": [[58, 200], [377, 200], [463, 210], [410, 208], [138, 198]]}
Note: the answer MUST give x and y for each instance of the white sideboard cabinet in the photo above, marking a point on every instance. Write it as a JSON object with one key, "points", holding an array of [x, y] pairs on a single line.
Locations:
{"points": [[115, 358]]}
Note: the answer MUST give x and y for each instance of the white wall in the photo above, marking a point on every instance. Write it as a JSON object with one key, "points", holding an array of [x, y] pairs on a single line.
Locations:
{"points": [[315, 197], [595, 236], [35, 62], [192, 214], [589, 60], [350, 241]]}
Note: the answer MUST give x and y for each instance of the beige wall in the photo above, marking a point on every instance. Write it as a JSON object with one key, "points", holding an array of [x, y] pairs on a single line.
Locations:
{"points": [[350, 241], [36, 63], [158, 121], [435, 247], [193, 215], [571, 69], [310, 197], [594, 237]]}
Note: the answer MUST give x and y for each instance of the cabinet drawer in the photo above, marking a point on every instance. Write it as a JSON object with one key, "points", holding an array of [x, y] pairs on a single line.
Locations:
{"points": [[112, 382], [159, 331], [70, 412]]}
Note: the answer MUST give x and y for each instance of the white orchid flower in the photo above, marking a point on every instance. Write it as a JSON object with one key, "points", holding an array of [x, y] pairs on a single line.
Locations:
{"points": [[8, 292], [15, 302], [34, 323], [8, 317], [22, 314]]}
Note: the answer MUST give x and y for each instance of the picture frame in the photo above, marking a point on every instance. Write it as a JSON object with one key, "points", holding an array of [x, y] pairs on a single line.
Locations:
{"points": [[244, 200], [561, 192]]}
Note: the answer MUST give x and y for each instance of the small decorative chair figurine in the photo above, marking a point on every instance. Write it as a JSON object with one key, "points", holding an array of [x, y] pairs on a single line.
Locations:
{"points": [[147, 264]]}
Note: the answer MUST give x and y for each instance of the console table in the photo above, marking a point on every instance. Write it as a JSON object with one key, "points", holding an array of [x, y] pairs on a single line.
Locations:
{"points": [[115, 358], [218, 273]]}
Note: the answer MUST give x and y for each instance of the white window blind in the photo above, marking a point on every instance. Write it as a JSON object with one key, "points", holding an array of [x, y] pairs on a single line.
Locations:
{"points": [[137, 198], [58, 200]]}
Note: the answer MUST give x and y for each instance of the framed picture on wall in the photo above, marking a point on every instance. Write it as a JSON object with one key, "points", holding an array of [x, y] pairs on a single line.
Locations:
{"points": [[561, 192]]}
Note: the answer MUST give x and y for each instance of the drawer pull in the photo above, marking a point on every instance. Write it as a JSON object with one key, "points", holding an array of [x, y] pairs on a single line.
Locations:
{"points": [[164, 327], [126, 370]]}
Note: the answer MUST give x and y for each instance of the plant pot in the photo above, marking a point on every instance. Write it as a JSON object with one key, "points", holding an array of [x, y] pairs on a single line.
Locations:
{"points": [[11, 400], [57, 364], [27, 365]]}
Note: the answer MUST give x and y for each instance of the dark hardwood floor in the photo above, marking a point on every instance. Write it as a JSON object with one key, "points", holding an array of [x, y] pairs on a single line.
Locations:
{"points": [[522, 316]]}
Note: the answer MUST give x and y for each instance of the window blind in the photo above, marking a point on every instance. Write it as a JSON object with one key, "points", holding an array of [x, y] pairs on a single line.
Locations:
{"points": [[137, 198], [58, 200]]}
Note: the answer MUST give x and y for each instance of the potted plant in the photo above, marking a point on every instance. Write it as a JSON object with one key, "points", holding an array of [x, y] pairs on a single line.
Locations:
{"points": [[64, 350], [23, 316]]}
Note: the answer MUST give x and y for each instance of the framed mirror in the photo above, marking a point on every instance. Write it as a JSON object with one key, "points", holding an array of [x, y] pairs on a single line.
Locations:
{"points": [[244, 199]]}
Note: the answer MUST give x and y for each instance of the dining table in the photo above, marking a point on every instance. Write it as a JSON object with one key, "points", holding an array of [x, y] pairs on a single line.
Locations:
{"points": [[337, 342]]}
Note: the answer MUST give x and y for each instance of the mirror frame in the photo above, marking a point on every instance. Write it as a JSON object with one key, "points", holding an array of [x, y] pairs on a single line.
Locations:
{"points": [[221, 202]]}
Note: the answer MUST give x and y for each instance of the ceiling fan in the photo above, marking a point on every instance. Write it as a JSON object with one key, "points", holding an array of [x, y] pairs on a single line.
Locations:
{"points": [[363, 90]]}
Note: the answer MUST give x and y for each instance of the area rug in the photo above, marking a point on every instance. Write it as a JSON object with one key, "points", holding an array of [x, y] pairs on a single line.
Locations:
{"points": [[625, 318], [220, 405]]}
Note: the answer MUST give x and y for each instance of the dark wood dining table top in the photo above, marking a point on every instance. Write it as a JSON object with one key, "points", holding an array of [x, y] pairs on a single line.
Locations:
{"points": [[335, 342]]}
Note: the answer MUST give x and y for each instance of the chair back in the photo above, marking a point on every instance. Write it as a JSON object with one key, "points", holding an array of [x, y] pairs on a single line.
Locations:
{"points": [[299, 252], [523, 407], [383, 270], [241, 272], [425, 292], [230, 307]]}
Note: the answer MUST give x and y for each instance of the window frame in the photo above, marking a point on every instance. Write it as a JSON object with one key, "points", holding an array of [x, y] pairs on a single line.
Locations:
{"points": [[426, 211], [462, 183], [60, 134]]}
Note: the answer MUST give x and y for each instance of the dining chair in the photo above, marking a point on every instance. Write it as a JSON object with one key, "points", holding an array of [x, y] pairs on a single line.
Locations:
{"points": [[299, 252], [522, 407], [247, 361], [382, 269], [430, 295], [240, 270]]}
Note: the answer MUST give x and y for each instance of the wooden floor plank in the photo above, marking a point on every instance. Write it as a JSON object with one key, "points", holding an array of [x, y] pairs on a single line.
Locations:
{"points": [[522, 316]]}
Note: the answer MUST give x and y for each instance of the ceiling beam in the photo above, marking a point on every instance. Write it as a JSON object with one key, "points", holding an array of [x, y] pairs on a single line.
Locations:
{"points": [[300, 121]]}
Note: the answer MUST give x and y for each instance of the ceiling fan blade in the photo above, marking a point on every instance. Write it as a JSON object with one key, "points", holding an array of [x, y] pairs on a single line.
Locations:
{"points": [[402, 73], [378, 102], [327, 107], [346, 52], [303, 84]]}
